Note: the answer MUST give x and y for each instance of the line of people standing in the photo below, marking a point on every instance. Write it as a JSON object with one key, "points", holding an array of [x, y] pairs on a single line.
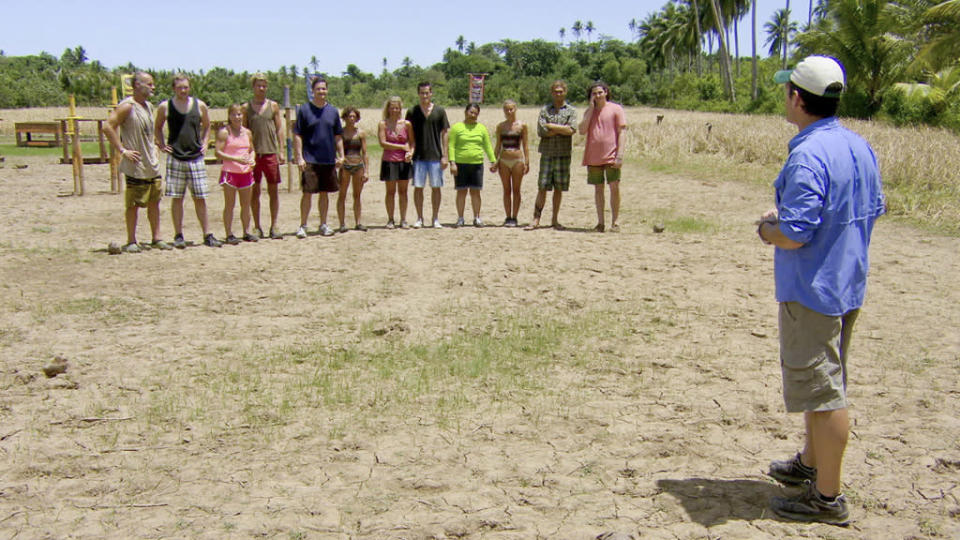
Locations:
{"points": [[330, 150]]}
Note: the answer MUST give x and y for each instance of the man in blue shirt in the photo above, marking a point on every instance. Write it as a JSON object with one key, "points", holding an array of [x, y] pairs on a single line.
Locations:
{"points": [[318, 151], [828, 197]]}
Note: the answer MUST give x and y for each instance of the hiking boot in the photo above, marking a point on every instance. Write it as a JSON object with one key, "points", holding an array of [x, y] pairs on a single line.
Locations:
{"points": [[232, 240], [250, 237], [132, 247], [810, 506], [325, 230], [301, 232], [211, 241], [792, 471], [178, 242]]}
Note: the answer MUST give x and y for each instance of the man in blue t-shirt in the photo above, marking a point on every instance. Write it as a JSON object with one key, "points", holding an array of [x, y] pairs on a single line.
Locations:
{"points": [[828, 197], [318, 151]]}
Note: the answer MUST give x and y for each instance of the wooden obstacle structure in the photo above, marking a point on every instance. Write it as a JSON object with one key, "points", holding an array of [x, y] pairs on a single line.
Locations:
{"points": [[103, 157], [27, 134]]}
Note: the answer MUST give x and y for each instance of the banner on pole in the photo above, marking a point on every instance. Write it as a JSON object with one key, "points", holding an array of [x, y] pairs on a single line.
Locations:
{"points": [[476, 87], [126, 83]]}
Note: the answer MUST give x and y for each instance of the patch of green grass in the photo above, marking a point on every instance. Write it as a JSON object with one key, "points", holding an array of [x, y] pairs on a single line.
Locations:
{"points": [[682, 224], [87, 148], [508, 361]]}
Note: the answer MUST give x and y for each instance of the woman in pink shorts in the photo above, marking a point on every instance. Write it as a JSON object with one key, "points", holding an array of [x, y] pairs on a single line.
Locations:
{"points": [[235, 148]]}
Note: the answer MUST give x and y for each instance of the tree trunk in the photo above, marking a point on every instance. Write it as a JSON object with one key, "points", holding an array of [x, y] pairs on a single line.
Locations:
{"points": [[724, 57], [736, 43], [753, 58], [786, 36], [696, 20]]}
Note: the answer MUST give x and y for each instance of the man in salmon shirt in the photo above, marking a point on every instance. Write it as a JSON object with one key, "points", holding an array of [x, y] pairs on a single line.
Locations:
{"points": [[603, 123]]}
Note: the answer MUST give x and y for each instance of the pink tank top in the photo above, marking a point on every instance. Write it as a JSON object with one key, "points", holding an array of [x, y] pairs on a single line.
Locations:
{"points": [[237, 145], [396, 138]]}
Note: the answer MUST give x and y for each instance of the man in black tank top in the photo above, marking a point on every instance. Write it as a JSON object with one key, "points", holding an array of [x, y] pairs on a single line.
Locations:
{"points": [[188, 129]]}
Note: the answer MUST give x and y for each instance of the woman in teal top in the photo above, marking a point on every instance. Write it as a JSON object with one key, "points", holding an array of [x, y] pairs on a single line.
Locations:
{"points": [[469, 140]]}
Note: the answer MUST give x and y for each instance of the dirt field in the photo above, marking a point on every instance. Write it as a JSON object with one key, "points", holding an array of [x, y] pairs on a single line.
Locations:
{"points": [[460, 383]]}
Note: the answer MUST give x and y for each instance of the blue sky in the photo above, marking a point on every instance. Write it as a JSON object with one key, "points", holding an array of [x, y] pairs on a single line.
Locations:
{"points": [[247, 35]]}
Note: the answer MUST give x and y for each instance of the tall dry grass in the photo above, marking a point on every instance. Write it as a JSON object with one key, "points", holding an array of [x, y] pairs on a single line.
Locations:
{"points": [[920, 166]]}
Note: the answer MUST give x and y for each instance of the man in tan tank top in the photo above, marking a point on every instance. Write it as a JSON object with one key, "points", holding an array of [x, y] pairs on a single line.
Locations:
{"points": [[262, 117], [130, 130]]}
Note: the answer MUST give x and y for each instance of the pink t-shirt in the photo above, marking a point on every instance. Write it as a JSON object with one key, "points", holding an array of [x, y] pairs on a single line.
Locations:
{"points": [[237, 145], [602, 134]]}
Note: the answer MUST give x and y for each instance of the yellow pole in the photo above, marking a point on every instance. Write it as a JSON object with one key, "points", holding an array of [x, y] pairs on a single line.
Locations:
{"points": [[286, 115], [114, 165], [77, 153]]}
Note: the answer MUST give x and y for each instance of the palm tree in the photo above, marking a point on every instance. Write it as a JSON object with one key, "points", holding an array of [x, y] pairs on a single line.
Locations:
{"points": [[563, 32], [460, 43], [632, 25], [943, 23], [577, 29], [589, 28], [866, 36], [724, 56], [313, 63], [779, 29]]}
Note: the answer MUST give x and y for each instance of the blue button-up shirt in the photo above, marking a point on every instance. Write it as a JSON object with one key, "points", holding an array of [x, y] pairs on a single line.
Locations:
{"points": [[828, 197]]}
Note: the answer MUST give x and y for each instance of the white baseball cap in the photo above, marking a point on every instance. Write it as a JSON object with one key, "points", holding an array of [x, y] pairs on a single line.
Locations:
{"points": [[819, 75]]}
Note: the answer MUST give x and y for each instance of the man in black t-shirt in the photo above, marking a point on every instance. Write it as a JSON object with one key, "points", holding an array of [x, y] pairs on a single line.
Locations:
{"points": [[430, 127]]}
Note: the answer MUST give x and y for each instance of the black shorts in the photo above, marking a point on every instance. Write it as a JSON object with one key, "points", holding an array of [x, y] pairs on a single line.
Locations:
{"points": [[395, 170], [316, 178], [469, 176]]}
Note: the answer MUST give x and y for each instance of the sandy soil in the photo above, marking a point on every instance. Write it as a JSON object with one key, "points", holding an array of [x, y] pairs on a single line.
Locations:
{"points": [[656, 418]]}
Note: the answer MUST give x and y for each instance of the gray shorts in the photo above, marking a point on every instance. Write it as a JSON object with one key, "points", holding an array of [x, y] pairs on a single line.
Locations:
{"points": [[813, 357]]}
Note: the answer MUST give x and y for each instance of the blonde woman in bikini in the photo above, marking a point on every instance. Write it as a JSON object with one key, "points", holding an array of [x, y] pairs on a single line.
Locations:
{"points": [[513, 160], [235, 147], [354, 168], [397, 140]]}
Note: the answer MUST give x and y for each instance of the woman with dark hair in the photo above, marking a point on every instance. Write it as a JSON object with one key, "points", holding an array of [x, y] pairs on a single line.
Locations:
{"points": [[513, 160], [354, 168], [469, 141]]}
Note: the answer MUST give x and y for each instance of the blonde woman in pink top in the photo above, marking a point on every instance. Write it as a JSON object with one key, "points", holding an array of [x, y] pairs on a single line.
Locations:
{"points": [[603, 124], [235, 148]]}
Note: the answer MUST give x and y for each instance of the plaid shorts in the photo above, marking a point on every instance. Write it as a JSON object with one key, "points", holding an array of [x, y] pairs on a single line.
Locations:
{"points": [[554, 173], [181, 174]]}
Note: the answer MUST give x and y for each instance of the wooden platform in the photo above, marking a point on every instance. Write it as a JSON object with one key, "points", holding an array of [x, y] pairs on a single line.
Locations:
{"points": [[27, 134]]}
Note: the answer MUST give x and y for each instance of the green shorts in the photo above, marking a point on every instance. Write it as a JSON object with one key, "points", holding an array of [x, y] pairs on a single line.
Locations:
{"points": [[813, 357], [141, 193], [595, 175]]}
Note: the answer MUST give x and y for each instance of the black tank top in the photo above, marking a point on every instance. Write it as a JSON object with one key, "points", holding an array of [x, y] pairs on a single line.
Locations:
{"points": [[183, 132]]}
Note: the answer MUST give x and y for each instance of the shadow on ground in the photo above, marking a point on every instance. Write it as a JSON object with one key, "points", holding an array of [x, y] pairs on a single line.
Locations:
{"points": [[712, 502]]}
